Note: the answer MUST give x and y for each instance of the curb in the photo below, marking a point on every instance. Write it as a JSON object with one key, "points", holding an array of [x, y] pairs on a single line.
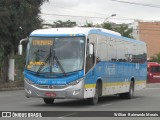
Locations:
{"points": [[10, 89]]}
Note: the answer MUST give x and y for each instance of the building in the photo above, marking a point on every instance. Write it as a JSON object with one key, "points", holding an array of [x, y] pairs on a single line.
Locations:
{"points": [[148, 32]]}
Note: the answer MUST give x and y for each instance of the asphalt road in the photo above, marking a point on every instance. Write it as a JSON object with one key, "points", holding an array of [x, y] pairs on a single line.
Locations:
{"points": [[147, 99]]}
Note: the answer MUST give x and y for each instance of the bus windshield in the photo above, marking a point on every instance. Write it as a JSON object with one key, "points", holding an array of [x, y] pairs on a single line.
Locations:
{"points": [[56, 55], [155, 69]]}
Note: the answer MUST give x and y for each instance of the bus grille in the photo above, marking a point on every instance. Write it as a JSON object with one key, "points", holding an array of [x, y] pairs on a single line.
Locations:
{"points": [[51, 86]]}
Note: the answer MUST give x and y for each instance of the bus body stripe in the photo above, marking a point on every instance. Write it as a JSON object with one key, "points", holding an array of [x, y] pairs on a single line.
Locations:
{"points": [[90, 85], [115, 84]]}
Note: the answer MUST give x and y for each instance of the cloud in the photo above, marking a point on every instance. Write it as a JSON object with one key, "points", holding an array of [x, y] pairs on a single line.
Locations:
{"points": [[100, 8]]}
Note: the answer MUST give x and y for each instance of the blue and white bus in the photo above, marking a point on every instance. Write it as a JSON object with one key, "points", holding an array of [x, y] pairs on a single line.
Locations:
{"points": [[83, 63]]}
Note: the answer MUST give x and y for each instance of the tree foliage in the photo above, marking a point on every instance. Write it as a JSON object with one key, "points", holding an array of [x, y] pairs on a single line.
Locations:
{"points": [[67, 23], [107, 25], [88, 24], [123, 29], [17, 19], [155, 58]]}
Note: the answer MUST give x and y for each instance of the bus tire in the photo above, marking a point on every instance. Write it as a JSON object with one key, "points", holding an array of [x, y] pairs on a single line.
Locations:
{"points": [[94, 100], [48, 101], [129, 94]]}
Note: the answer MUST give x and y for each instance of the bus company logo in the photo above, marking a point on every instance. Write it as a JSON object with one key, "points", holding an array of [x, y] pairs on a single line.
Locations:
{"points": [[6, 114], [51, 87]]}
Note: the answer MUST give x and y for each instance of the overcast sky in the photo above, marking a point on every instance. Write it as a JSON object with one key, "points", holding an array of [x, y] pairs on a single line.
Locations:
{"points": [[100, 9]]}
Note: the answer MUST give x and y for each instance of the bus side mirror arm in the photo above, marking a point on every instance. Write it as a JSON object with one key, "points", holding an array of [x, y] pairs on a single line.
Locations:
{"points": [[20, 47]]}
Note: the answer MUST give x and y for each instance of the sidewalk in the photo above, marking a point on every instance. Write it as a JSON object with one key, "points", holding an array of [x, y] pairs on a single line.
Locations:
{"points": [[12, 85], [153, 84]]}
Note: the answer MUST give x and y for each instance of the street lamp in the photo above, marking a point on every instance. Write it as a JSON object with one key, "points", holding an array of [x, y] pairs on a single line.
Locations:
{"points": [[108, 17]]}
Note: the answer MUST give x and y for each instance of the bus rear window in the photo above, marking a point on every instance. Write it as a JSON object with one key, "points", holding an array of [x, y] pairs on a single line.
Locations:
{"points": [[155, 69]]}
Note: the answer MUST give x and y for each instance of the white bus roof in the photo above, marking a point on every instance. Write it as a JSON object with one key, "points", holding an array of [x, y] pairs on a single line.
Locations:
{"points": [[64, 31], [80, 31]]}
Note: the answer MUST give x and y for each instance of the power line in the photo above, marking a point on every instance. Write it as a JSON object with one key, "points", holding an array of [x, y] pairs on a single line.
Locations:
{"points": [[92, 17], [71, 15], [135, 3], [153, 28], [62, 7], [62, 15]]}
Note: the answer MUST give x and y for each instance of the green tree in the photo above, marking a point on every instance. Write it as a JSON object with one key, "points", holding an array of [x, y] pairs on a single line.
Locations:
{"points": [[155, 58], [67, 23], [88, 24], [107, 25], [123, 29], [17, 19]]}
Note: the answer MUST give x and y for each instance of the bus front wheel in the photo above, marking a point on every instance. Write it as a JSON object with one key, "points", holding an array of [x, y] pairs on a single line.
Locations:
{"points": [[94, 100], [48, 101]]}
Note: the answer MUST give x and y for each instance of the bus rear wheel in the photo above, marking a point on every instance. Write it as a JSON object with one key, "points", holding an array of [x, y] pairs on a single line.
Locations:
{"points": [[129, 94], [48, 101]]}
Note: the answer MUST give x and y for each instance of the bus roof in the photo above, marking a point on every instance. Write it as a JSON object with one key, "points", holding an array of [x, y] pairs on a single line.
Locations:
{"points": [[68, 31], [153, 64], [80, 31]]}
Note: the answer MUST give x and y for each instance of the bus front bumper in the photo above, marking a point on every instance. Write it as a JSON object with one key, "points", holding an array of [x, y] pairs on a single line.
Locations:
{"points": [[57, 92]]}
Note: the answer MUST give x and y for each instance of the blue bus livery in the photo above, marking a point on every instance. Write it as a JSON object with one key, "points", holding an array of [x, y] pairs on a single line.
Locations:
{"points": [[83, 63]]}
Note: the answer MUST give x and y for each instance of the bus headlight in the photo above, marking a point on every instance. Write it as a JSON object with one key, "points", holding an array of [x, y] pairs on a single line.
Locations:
{"points": [[28, 81], [75, 82]]}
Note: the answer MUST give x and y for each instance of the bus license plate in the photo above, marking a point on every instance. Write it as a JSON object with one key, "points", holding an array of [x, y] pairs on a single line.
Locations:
{"points": [[50, 94]]}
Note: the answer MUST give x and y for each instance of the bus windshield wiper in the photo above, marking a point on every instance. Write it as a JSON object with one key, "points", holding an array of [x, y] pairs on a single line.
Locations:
{"points": [[60, 65], [45, 61], [51, 61]]}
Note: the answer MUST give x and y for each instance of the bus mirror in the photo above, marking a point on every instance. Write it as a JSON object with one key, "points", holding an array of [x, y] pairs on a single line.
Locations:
{"points": [[90, 49], [20, 49]]}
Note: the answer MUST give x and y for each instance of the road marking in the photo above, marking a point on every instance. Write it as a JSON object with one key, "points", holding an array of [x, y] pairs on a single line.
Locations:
{"points": [[67, 115], [28, 102], [106, 105]]}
